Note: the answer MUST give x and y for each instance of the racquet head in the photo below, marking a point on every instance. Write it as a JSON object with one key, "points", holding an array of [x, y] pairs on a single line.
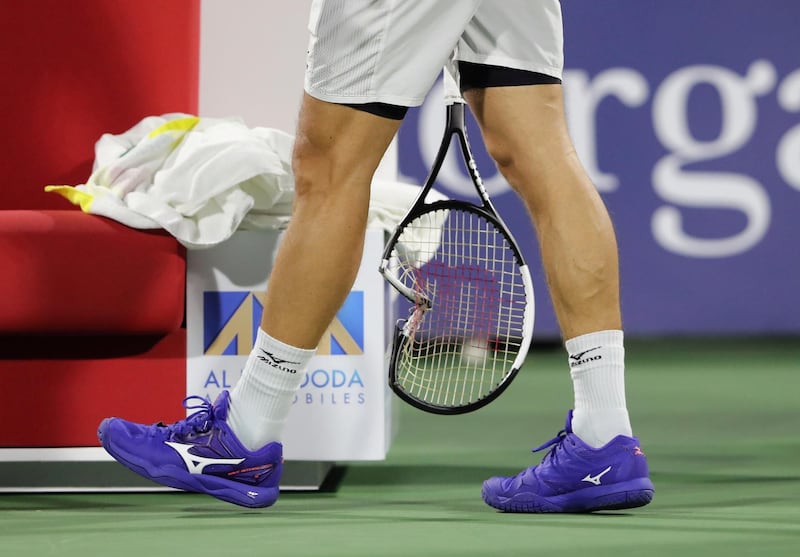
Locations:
{"points": [[469, 308]]}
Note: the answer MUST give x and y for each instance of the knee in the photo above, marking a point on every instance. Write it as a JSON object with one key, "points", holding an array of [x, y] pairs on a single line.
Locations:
{"points": [[311, 165], [324, 169], [528, 167], [511, 163], [500, 149]]}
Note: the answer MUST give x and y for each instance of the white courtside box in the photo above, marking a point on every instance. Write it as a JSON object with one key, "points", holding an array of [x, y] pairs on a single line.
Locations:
{"points": [[343, 410]]}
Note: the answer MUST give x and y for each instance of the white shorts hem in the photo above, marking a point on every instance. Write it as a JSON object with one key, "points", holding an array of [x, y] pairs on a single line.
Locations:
{"points": [[338, 98]]}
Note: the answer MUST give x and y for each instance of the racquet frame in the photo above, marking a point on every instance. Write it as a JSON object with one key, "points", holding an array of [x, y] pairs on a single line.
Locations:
{"points": [[455, 125]]}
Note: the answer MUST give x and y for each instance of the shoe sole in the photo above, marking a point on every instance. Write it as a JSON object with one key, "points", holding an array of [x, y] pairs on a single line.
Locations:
{"points": [[623, 495], [173, 476]]}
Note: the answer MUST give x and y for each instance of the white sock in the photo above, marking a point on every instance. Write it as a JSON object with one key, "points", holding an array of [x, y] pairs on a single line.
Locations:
{"points": [[262, 398], [597, 367]]}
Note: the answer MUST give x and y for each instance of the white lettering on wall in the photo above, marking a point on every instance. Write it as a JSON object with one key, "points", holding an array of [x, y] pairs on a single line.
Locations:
{"points": [[676, 180], [705, 189], [787, 156], [582, 97]]}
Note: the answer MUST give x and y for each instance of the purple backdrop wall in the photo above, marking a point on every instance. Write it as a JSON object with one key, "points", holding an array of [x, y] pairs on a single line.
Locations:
{"points": [[687, 116]]}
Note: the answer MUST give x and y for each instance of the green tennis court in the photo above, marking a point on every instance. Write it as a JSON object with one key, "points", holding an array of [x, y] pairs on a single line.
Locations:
{"points": [[718, 420]]}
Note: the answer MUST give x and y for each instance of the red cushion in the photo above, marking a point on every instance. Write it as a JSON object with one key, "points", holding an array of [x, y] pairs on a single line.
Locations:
{"points": [[64, 387], [69, 272]]}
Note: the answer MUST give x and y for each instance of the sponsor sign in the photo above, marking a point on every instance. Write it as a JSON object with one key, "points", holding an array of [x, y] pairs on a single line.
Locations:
{"points": [[342, 410], [687, 117]]}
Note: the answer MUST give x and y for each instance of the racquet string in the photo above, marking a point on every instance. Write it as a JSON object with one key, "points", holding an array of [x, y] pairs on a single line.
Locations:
{"points": [[466, 328]]}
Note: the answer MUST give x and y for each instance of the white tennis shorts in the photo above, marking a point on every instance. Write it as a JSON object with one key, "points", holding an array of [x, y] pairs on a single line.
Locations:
{"points": [[391, 51]]}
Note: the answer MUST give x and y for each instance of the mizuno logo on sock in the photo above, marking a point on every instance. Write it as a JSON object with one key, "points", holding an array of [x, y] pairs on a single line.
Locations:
{"points": [[274, 361], [196, 464], [596, 479], [579, 359]]}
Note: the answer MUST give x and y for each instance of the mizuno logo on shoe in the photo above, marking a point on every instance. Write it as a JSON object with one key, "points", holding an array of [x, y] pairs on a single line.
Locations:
{"points": [[578, 359], [596, 479], [196, 464], [276, 362]]}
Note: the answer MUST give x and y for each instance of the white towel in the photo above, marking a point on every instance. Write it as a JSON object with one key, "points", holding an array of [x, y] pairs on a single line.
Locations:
{"points": [[201, 179]]}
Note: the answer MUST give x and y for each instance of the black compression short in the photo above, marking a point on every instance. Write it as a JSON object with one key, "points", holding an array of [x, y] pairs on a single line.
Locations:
{"points": [[480, 76], [473, 76]]}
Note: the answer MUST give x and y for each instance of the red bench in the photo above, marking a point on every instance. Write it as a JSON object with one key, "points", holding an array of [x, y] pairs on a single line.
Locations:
{"points": [[91, 312]]}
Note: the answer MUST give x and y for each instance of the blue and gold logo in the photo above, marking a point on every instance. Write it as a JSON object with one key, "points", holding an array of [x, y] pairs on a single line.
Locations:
{"points": [[231, 320]]}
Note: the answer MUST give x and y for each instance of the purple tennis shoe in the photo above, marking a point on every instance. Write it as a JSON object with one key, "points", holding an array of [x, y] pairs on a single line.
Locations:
{"points": [[199, 454], [576, 478]]}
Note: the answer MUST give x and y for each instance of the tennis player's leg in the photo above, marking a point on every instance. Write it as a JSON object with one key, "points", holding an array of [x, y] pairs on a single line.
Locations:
{"points": [[525, 131], [512, 58], [336, 152], [361, 76], [231, 451]]}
